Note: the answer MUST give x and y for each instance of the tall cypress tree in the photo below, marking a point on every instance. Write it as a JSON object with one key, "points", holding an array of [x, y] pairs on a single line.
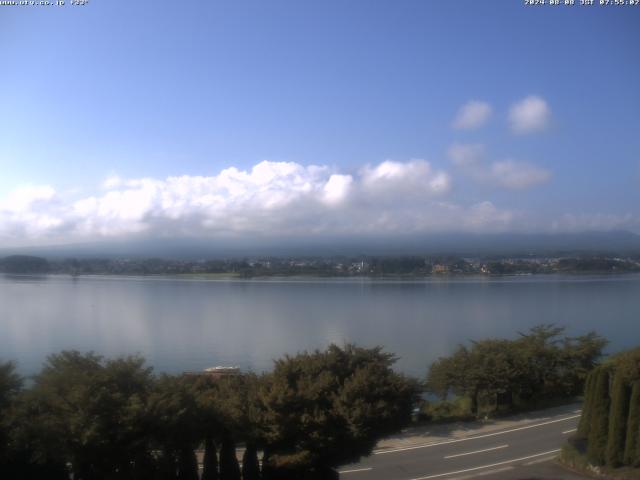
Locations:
{"points": [[632, 444], [167, 466], [210, 461], [618, 420], [250, 465], [229, 467], [585, 418], [187, 465], [599, 427]]}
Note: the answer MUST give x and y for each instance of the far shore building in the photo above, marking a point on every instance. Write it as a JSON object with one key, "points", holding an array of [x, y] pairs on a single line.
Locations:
{"points": [[217, 372], [439, 268]]}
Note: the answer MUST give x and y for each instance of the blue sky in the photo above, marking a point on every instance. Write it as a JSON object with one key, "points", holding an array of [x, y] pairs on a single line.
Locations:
{"points": [[112, 112]]}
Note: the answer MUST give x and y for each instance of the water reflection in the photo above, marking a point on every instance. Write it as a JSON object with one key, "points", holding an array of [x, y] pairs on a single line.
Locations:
{"points": [[189, 324]]}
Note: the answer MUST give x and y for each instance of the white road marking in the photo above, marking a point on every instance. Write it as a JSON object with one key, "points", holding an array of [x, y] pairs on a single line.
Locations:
{"points": [[541, 460], [355, 470], [477, 451], [570, 431], [483, 474], [427, 445], [492, 472], [487, 466]]}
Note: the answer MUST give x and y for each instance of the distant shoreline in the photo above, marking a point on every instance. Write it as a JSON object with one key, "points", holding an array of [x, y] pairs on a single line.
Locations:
{"points": [[439, 278], [397, 267]]}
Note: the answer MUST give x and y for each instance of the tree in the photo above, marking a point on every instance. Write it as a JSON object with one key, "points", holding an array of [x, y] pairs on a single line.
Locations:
{"points": [[187, 464], [21, 264], [537, 365], [587, 408], [632, 442], [91, 412], [618, 420], [210, 460], [579, 357], [176, 426], [323, 409], [250, 464], [66, 390], [456, 374], [490, 369], [10, 385], [229, 467], [242, 417], [598, 430]]}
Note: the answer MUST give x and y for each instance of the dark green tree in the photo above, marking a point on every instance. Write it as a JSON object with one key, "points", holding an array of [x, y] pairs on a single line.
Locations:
{"points": [[500, 372], [250, 464], [229, 467], [587, 408], [632, 442], [187, 464], [598, 430], [236, 401], [542, 358], [618, 420], [323, 409], [175, 423], [579, 357], [210, 460], [10, 385], [490, 369], [457, 375], [94, 409]]}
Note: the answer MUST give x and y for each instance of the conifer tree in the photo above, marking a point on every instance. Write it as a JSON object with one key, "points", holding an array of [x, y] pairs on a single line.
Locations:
{"points": [[597, 439], [229, 467], [632, 444], [210, 461], [618, 420], [250, 465], [187, 465], [587, 407]]}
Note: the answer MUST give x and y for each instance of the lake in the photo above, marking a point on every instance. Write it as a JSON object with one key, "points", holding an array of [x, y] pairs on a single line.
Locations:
{"points": [[189, 324]]}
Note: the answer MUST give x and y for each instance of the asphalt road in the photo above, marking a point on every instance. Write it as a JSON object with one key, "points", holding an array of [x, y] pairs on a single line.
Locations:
{"points": [[476, 455]]}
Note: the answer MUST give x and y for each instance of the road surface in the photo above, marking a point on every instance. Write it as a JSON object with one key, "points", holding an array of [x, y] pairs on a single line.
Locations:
{"points": [[492, 454]]}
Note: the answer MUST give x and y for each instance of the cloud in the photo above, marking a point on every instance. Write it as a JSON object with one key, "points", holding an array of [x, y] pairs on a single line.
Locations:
{"points": [[404, 179], [271, 199], [286, 199], [530, 114], [517, 175], [571, 222], [510, 174], [466, 155], [472, 114]]}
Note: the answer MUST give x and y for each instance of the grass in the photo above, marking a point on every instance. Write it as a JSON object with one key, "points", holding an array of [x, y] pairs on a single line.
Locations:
{"points": [[572, 458]]}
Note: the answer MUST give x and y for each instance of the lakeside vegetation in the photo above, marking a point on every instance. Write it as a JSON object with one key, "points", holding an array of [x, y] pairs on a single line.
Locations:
{"points": [[495, 376], [362, 266], [115, 419]]}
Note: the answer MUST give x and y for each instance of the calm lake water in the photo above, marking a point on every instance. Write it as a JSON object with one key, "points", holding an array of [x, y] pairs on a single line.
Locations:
{"points": [[183, 324]]}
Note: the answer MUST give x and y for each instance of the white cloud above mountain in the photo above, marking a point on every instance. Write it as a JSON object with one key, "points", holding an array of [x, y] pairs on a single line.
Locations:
{"points": [[286, 199], [270, 199]]}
